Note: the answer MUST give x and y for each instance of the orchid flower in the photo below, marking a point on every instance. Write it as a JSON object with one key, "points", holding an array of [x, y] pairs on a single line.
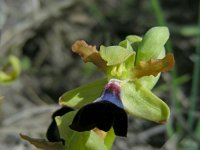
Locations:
{"points": [[131, 68], [137, 63]]}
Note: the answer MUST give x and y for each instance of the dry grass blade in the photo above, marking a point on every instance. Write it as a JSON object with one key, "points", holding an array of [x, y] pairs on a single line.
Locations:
{"points": [[43, 144]]}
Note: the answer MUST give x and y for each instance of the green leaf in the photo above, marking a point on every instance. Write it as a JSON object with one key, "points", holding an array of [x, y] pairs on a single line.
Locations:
{"points": [[142, 103], [114, 55], [88, 140], [152, 43], [85, 94], [63, 126], [42, 144], [189, 30], [10, 70]]}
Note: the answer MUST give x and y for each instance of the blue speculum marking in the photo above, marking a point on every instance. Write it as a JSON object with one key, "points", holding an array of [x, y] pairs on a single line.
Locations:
{"points": [[108, 96], [111, 93]]}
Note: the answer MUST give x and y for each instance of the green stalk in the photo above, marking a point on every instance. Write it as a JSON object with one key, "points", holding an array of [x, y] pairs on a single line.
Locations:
{"points": [[195, 79], [158, 12]]}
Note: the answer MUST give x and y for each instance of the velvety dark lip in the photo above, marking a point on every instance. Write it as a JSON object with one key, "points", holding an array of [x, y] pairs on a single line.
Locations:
{"points": [[102, 115]]}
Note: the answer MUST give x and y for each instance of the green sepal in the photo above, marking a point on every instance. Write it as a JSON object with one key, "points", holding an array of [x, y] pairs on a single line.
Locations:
{"points": [[133, 38], [109, 139], [141, 102], [82, 95], [87, 140], [152, 43], [115, 55], [63, 123]]}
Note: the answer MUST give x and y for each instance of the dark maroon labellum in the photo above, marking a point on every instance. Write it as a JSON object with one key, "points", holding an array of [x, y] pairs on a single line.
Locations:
{"points": [[104, 113]]}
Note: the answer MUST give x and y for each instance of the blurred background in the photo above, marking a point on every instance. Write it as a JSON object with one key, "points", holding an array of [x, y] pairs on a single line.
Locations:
{"points": [[40, 34]]}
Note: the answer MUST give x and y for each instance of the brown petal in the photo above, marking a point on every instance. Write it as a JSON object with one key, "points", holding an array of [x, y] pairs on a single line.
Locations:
{"points": [[89, 53], [154, 66]]}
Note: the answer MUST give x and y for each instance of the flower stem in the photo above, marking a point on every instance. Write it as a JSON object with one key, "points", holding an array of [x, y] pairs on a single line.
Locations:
{"points": [[195, 78]]}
